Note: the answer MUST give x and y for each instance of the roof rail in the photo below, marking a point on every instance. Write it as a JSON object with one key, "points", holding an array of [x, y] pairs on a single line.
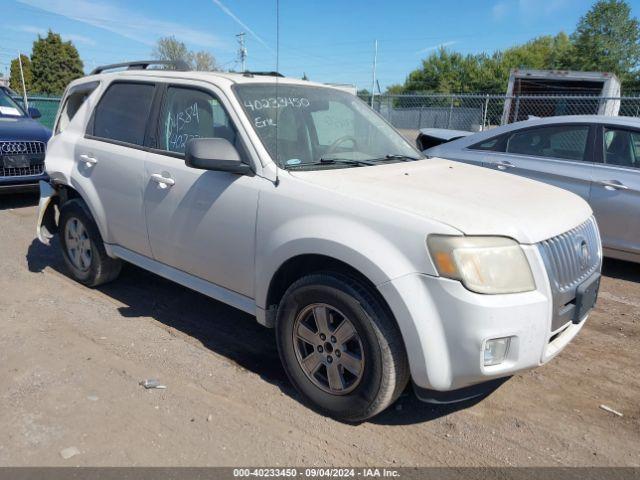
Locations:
{"points": [[179, 65], [247, 73]]}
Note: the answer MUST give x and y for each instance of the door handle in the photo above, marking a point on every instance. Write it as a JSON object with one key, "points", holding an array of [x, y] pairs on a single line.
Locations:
{"points": [[164, 182], [503, 164], [88, 160], [613, 184]]}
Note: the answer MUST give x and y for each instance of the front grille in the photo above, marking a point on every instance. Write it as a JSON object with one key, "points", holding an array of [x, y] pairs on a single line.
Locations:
{"points": [[570, 259], [566, 254], [33, 150], [35, 169], [21, 148]]}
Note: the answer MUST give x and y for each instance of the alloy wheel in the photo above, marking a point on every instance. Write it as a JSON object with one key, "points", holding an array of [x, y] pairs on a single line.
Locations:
{"points": [[328, 348], [78, 244]]}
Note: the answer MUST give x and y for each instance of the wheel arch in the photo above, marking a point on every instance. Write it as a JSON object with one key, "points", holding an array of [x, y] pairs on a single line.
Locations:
{"points": [[304, 264], [68, 192]]}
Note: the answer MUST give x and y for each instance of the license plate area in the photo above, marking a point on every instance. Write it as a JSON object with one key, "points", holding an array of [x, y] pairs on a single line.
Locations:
{"points": [[586, 296], [16, 161]]}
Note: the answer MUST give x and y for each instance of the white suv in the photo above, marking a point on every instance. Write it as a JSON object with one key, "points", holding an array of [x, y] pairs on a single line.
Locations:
{"points": [[297, 203]]}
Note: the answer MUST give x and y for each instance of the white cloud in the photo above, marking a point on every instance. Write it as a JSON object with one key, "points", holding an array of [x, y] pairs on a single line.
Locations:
{"points": [[437, 47], [74, 37], [527, 9], [500, 10], [127, 23], [235, 18], [536, 7]]}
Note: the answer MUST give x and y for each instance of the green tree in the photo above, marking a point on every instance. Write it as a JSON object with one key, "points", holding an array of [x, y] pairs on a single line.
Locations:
{"points": [[172, 49], [15, 80], [54, 64], [451, 72], [607, 39]]}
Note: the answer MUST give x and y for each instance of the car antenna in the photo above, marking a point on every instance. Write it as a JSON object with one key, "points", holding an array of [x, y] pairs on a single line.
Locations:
{"points": [[277, 182]]}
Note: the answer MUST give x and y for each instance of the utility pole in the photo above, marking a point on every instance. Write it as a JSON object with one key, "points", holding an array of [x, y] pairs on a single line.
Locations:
{"points": [[242, 51], [373, 78], [24, 88]]}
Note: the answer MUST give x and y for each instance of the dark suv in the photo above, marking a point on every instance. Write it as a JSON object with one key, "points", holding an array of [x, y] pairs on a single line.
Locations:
{"points": [[22, 146]]}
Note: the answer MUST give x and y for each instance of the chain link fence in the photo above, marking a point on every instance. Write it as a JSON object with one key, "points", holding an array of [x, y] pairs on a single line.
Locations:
{"points": [[473, 112], [48, 107]]}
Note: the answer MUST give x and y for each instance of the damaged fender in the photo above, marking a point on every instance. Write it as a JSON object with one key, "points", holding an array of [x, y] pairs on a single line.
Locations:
{"points": [[46, 225]]}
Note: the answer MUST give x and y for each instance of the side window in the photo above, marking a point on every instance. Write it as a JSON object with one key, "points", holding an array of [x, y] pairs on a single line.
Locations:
{"points": [[565, 142], [490, 145], [336, 121], [123, 112], [188, 113], [621, 147], [74, 100]]}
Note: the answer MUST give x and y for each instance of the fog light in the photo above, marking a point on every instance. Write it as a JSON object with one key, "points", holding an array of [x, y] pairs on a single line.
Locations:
{"points": [[495, 350]]}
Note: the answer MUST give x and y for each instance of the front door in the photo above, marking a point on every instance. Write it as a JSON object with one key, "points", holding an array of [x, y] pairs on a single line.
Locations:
{"points": [[201, 222], [615, 194], [110, 162], [557, 154]]}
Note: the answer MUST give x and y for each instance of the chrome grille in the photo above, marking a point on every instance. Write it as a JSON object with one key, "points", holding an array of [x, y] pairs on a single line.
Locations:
{"points": [[35, 151], [570, 259], [573, 256], [21, 148]]}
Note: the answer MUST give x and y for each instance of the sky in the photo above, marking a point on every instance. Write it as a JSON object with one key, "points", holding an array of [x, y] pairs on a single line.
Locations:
{"points": [[329, 40]]}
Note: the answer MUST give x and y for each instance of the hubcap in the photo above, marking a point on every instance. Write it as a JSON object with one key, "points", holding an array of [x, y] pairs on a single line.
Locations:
{"points": [[78, 244], [328, 348]]}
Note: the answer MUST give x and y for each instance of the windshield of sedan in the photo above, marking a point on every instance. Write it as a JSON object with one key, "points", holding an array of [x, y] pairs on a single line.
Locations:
{"points": [[306, 127], [8, 107]]}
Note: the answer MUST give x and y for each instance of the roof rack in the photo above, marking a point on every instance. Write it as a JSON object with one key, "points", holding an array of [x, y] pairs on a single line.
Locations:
{"points": [[143, 65], [247, 73]]}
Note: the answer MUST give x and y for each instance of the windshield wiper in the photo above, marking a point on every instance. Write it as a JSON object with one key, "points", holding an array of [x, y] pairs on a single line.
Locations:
{"points": [[403, 158], [330, 161]]}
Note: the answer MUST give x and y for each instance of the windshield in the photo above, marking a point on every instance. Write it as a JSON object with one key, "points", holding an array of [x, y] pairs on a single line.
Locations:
{"points": [[319, 126], [8, 107]]}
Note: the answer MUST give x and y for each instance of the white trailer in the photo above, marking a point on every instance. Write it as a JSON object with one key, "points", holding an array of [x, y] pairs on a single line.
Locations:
{"points": [[524, 85]]}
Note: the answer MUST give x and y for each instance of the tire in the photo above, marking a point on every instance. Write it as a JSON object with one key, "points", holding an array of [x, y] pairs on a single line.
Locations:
{"points": [[90, 265], [370, 372]]}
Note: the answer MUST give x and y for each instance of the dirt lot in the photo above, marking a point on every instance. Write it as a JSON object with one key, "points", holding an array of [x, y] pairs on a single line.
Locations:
{"points": [[71, 359]]}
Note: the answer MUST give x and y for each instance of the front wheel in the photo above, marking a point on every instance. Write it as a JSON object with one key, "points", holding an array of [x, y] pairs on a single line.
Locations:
{"points": [[340, 347]]}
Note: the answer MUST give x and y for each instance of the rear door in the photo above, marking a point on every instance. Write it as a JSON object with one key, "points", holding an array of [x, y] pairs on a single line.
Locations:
{"points": [[615, 193], [561, 155], [110, 162]]}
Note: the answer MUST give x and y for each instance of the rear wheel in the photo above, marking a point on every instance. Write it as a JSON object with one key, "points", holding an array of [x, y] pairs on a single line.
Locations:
{"points": [[340, 347], [82, 247]]}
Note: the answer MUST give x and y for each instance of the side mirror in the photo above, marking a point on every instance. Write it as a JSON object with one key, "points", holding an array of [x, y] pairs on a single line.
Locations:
{"points": [[34, 112], [214, 154]]}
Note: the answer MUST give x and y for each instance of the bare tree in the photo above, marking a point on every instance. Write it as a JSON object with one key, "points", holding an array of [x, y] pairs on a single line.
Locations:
{"points": [[204, 61], [172, 49]]}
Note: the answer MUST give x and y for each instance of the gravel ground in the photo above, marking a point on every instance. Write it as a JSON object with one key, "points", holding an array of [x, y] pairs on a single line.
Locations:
{"points": [[71, 359]]}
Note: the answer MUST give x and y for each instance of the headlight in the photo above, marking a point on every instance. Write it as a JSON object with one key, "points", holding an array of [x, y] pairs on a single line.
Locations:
{"points": [[490, 265]]}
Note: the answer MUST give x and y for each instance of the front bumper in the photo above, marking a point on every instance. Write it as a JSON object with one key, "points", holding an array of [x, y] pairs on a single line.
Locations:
{"points": [[23, 183], [445, 327]]}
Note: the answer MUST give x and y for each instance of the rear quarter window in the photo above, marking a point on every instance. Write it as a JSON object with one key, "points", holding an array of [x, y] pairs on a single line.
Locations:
{"points": [[495, 144], [73, 101]]}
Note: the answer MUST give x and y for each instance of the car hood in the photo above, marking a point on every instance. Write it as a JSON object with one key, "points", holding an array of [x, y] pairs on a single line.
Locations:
{"points": [[473, 200], [23, 128]]}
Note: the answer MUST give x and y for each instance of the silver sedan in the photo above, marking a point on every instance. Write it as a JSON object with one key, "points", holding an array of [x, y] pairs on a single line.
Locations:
{"points": [[596, 157]]}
